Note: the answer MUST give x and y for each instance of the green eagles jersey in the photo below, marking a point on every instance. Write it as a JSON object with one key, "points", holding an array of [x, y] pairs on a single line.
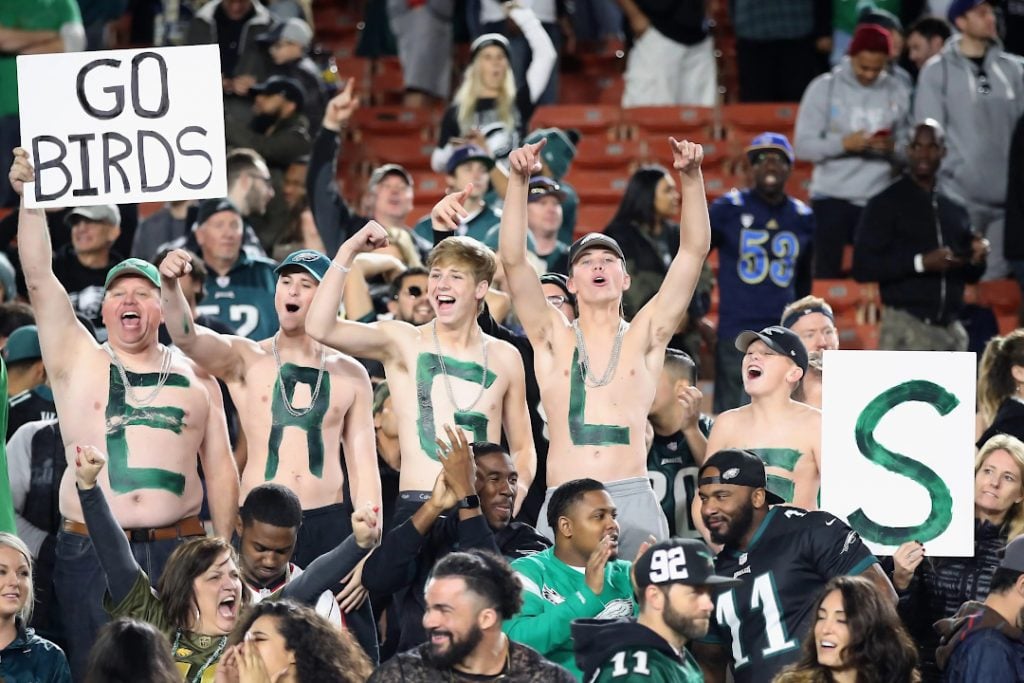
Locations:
{"points": [[554, 594], [244, 298], [673, 474], [476, 227], [643, 664], [37, 15]]}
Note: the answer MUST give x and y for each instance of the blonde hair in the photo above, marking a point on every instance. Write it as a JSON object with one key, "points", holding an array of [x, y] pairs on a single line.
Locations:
{"points": [[995, 372], [468, 94], [13, 542], [468, 252], [1014, 522]]}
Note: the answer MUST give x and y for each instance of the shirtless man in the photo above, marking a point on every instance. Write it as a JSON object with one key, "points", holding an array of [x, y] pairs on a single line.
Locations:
{"points": [[153, 408], [784, 433], [298, 404], [813, 321], [445, 371], [598, 375]]}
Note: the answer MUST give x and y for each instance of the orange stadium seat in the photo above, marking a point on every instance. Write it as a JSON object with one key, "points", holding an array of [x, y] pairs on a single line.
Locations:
{"points": [[357, 68], [600, 187], [1008, 323], [428, 187], [716, 184], [593, 217], [744, 121], [842, 295], [586, 118], [413, 153], [611, 90], [1002, 296], [598, 153], [676, 121], [392, 120]]}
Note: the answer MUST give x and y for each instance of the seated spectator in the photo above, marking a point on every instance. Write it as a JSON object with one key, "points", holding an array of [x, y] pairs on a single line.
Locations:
{"points": [[812, 320], [81, 266], [581, 577], [24, 656], [131, 651], [470, 597], [544, 222], [199, 613], [488, 109], [482, 487], [28, 392], [289, 43], [555, 160], [292, 644], [784, 433], [166, 225], [934, 589], [423, 35], [999, 382], [856, 636], [468, 165], [675, 605], [918, 244], [984, 640], [925, 40], [765, 241], [848, 124], [646, 229], [672, 61]]}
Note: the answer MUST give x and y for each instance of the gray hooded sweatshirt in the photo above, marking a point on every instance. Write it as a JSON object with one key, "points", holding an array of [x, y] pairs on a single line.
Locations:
{"points": [[978, 126], [834, 105]]}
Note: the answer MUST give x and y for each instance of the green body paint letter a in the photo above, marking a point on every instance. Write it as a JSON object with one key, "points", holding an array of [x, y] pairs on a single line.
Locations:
{"points": [[581, 433], [311, 423], [120, 416], [941, 501]]}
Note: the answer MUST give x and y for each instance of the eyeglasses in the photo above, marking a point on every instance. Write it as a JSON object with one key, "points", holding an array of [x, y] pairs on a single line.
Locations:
{"points": [[543, 189], [984, 87], [557, 300]]}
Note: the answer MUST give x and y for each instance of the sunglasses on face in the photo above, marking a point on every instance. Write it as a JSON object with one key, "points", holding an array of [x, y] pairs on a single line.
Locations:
{"points": [[557, 300], [413, 291]]}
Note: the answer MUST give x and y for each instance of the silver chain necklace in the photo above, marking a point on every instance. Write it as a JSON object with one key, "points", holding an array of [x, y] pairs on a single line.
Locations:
{"points": [[296, 412], [165, 371], [613, 362], [447, 380]]}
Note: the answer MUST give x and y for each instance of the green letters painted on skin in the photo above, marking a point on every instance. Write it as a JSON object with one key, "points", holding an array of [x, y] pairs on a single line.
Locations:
{"points": [[784, 459], [428, 368], [311, 423], [581, 433], [120, 416], [941, 501]]}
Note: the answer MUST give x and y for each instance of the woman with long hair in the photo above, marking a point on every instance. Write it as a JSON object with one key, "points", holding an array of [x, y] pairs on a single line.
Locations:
{"points": [[24, 656], [289, 643], [933, 588], [856, 638], [131, 651], [1000, 382], [200, 593], [487, 108]]}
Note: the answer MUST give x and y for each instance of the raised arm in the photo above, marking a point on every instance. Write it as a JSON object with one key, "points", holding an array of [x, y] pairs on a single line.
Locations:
{"points": [[219, 464], [362, 340], [62, 339], [533, 310], [544, 56], [516, 423], [664, 312], [218, 354], [359, 440], [330, 212]]}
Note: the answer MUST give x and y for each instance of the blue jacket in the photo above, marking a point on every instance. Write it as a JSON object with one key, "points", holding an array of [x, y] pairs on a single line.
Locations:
{"points": [[31, 659], [979, 645]]}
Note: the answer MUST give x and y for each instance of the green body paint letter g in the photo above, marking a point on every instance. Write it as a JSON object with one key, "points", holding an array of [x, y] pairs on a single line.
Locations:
{"points": [[428, 368], [581, 433], [941, 500], [120, 416], [311, 422]]}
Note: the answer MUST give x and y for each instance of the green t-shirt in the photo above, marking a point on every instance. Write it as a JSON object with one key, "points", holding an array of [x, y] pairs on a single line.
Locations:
{"points": [[645, 664], [29, 15], [554, 594], [477, 227]]}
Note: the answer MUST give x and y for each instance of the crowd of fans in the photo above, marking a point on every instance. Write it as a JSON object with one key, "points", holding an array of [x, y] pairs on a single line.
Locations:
{"points": [[341, 441]]}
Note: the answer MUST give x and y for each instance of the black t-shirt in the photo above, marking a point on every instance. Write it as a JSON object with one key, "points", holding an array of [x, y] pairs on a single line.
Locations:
{"points": [[500, 138], [791, 557], [683, 21], [84, 285], [28, 406]]}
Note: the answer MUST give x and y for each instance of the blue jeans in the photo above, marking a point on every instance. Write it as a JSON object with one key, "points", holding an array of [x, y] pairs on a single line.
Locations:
{"points": [[80, 585]]}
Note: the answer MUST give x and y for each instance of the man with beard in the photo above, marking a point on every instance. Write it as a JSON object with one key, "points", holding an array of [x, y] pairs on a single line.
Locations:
{"points": [[811, 319], [918, 244], [468, 597], [675, 581], [782, 555], [581, 577], [763, 238]]}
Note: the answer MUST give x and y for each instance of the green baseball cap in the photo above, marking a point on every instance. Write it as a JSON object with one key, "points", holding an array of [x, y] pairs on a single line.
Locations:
{"points": [[310, 260], [133, 266]]}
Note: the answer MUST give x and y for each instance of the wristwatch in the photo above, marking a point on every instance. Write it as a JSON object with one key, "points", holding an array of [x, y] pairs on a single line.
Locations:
{"points": [[469, 503]]}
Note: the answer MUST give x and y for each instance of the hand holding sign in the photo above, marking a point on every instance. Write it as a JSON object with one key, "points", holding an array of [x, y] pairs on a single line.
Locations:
{"points": [[21, 170]]}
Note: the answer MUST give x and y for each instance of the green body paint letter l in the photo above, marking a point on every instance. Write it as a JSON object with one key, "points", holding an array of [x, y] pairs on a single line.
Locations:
{"points": [[581, 433]]}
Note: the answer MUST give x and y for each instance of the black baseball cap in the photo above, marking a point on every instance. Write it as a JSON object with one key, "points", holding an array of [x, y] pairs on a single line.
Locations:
{"points": [[679, 560], [209, 207], [542, 186], [562, 282], [779, 339], [593, 240], [738, 467], [282, 85]]}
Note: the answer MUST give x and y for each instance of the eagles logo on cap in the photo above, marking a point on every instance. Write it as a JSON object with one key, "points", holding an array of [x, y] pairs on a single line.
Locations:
{"points": [[731, 473], [306, 257]]}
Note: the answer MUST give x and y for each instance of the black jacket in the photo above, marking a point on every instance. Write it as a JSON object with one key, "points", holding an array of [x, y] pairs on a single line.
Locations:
{"points": [[900, 222], [335, 221], [1009, 420], [525, 665]]}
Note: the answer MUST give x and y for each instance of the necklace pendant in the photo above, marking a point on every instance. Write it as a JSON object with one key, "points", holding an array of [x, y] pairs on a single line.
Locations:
{"points": [[204, 641]]}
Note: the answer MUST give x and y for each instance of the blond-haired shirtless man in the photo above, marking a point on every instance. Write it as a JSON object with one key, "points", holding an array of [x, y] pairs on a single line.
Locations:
{"points": [[598, 374], [446, 371], [152, 408]]}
